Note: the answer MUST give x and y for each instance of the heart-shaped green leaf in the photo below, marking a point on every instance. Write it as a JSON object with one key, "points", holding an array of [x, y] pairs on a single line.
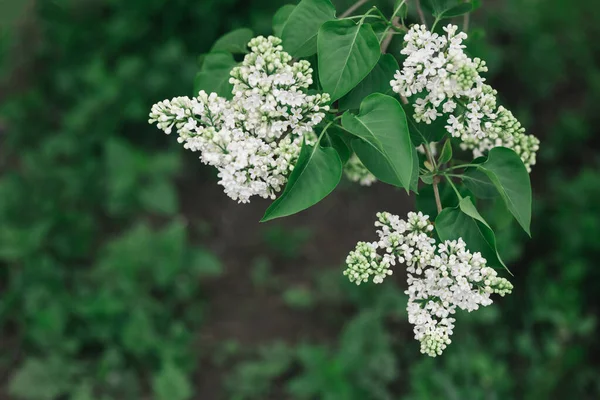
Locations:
{"points": [[506, 171], [442, 9], [299, 34], [465, 222], [281, 17], [214, 74], [478, 182], [347, 52], [458, 10], [317, 172], [378, 81], [235, 42], [383, 143], [421, 132], [340, 140]]}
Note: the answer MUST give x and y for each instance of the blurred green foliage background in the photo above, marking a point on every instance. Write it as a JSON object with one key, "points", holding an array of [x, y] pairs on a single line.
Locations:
{"points": [[125, 272]]}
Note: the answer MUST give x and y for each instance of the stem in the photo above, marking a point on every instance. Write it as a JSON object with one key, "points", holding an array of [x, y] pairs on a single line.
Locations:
{"points": [[387, 37], [353, 8], [420, 12], [324, 130], [363, 17], [453, 187], [436, 179], [462, 166], [436, 193], [398, 9], [466, 20], [437, 19]]}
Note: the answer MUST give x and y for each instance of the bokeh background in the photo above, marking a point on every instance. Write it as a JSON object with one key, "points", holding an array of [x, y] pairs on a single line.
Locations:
{"points": [[126, 273]]}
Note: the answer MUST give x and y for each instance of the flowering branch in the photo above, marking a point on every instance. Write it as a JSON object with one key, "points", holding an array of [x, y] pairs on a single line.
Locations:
{"points": [[442, 277], [258, 124]]}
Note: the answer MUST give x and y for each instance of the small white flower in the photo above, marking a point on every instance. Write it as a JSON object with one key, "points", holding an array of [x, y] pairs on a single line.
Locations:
{"points": [[254, 139], [441, 279], [437, 66]]}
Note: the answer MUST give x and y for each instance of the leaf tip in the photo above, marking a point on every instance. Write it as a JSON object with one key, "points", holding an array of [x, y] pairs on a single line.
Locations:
{"points": [[266, 217]]}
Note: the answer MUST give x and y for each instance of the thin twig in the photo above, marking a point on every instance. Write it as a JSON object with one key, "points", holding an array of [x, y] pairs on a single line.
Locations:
{"points": [[353, 8], [466, 22], [436, 193], [388, 39], [420, 12], [436, 179], [453, 186]]}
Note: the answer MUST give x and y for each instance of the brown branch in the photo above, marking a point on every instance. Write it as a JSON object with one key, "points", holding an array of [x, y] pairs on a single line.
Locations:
{"points": [[466, 22], [388, 39], [353, 8], [436, 193], [420, 12]]}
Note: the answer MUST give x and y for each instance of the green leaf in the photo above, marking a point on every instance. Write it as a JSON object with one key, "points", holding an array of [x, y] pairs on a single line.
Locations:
{"points": [[380, 29], [235, 42], [478, 182], [383, 143], [458, 10], [434, 7], [138, 334], [427, 179], [347, 53], [298, 297], [159, 196], [340, 140], [414, 180], [425, 201], [403, 12], [421, 132], [41, 379], [299, 34], [465, 222], [171, 383], [281, 17], [442, 9], [204, 263], [214, 75], [446, 153], [317, 172], [507, 172], [378, 81]]}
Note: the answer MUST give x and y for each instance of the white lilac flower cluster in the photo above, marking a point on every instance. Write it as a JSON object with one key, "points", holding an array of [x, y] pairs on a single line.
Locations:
{"points": [[441, 278], [356, 171], [254, 139], [449, 83]]}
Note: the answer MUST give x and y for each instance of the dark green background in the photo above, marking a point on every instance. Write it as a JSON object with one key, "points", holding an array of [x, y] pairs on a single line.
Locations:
{"points": [[126, 273]]}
